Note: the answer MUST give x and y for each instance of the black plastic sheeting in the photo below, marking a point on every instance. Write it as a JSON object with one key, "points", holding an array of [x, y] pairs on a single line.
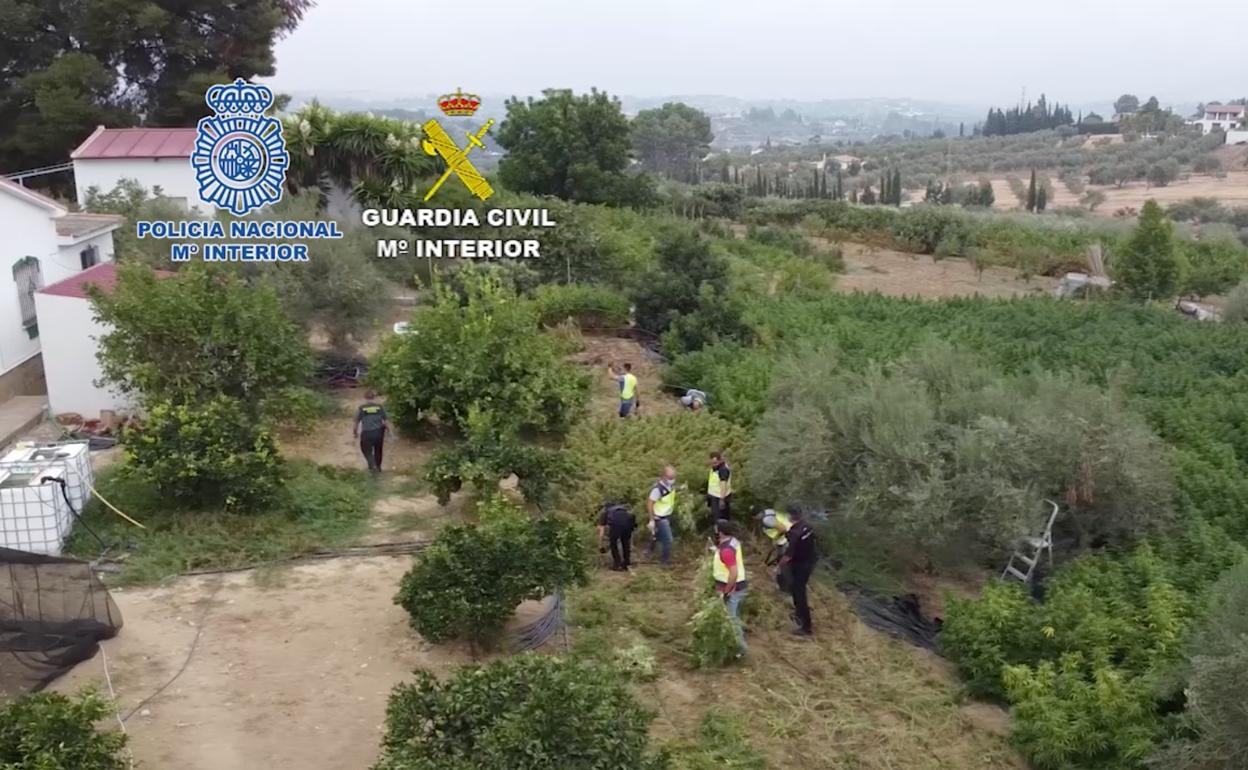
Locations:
{"points": [[900, 617], [54, 612]]}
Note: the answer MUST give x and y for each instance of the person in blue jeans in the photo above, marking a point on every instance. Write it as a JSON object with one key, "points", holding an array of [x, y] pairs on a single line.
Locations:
{"points": [[728, 569], [660, 505]]}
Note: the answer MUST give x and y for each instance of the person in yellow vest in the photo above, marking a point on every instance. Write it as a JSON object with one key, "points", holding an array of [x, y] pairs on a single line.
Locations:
{"points": [[776, 527], [719, 487], [728, 569], [660, 504], [628, 388]]}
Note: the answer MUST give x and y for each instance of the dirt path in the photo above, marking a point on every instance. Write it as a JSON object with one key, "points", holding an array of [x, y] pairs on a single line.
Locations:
{"points": [[605, 394], [292, 669], [908, 275]]}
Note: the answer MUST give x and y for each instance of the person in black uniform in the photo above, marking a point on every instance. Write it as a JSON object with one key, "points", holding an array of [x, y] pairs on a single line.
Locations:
{"points": [[798, 563], [370, 427], [616, 524]]}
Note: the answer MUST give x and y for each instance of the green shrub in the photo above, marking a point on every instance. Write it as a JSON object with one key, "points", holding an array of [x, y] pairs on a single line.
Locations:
{"points": [[637, 662], [621, 459], [714, 640], [469, 581], [205, 454], [49, 731], [1212, 266], [788, 240], [491, 453], [1147, 266], [923, 228], [1236, 307], [487, 354], [985, 634], [530, 712], [939, 449], [591, 306]]}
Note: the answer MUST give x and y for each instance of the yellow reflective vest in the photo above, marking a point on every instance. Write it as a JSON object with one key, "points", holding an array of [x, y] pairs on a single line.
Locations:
{"points": [[715, 487], [778, 532], [666, 503], [720, 570], [629, 390]]}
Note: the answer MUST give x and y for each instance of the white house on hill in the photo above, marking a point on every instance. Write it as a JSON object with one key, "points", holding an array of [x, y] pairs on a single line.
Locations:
{"points": [[154, 157], [42, 243], [1223, 117]]}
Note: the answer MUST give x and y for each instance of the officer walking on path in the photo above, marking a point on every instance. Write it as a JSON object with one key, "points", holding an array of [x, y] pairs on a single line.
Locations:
{"points": [[719, 487], [799, 561], [616, 525], [370, 427], [660, 504], [628, 388], [728, 569]]}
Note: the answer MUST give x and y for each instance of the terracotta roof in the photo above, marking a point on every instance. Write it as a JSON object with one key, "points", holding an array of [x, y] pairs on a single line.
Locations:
{"points": [[1231, 108], [30, 196], [103, 275], [74, 225], [137, 143]]}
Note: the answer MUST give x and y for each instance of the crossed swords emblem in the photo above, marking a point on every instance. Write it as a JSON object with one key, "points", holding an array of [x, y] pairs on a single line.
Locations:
{"points": [[438, 142]]}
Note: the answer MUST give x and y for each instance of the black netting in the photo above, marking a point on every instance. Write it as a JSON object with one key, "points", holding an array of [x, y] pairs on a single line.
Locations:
{"points": [[53, 614]]}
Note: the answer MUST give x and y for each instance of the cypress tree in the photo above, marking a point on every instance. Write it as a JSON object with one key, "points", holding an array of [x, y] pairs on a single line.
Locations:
{"points": [[1042, 199], [1031, 193], [894, 187]]}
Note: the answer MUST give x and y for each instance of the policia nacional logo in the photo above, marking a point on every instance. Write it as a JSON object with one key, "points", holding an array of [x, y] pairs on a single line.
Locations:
{"points": [[240, 156]]}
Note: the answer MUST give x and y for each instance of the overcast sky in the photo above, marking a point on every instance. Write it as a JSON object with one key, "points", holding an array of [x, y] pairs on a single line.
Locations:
{"points": [[963, 51]]}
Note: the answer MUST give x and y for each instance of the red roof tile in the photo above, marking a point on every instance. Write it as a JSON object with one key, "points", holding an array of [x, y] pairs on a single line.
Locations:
{"points": [[137, 143], [103, 275]]}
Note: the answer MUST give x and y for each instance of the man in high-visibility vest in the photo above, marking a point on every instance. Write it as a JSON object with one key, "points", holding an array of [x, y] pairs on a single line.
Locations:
{"points": [[719, 487], [628, 388], [660, 504], [776, 527], [728, 569]]}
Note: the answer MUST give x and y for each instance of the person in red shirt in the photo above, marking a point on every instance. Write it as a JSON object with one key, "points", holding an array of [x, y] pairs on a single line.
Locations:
{"points": [[728, 568]]}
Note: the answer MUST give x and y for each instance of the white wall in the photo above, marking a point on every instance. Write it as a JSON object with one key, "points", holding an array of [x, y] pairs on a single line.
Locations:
{"points": [[69, 335], [26, 229], [175, 176], [1235, 137], [71, 256]]}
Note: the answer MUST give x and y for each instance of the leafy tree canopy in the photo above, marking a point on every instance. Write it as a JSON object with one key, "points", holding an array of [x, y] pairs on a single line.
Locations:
{"points": [[67, 67], [572, 147], [1147, 267], [672, 139]]}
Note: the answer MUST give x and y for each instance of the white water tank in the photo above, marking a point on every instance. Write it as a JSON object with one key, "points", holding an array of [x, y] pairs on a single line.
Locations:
{"points": [[35, 515]]}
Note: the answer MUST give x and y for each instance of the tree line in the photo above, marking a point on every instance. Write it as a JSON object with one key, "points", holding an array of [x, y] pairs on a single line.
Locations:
{"points": [[1035, 117]]}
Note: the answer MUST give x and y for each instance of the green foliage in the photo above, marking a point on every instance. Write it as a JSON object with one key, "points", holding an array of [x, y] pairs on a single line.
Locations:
{"points": [[721, 743], [939, 449], [316, 508], [621, 459], [572, 147], [469, 581], [1215, 722], [487, 354], [590, 306], [1163, 172], [49, 731], [1236, 307], [672, 140], [787, 240], [195, 335], [714, 640], [1212, 266], [490, 453], [530, 712], [134, 202], [1146, 268], [637, 662], [207, 453]]}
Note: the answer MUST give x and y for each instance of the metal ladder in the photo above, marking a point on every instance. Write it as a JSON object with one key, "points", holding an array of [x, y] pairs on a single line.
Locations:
{"points": [[1036, 547]]}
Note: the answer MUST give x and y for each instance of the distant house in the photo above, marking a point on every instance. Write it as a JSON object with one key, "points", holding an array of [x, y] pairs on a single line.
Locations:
{"points": [[1221, 117], [154, 157], [43, 243], [842, 161]]}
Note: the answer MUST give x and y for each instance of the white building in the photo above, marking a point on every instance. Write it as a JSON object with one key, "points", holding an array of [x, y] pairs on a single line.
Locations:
{"points": [[42, 243], [70, 335], [1223, 117], [153, 157]]}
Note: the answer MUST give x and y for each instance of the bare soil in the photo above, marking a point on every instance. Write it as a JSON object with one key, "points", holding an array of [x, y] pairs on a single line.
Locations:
{"points": [[600, 350], [294, 675], [331, 442], [899, 274]]}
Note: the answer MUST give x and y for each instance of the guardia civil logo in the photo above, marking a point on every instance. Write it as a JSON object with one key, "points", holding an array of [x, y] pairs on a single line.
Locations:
{"points": [[240, 156], [438, 142]]}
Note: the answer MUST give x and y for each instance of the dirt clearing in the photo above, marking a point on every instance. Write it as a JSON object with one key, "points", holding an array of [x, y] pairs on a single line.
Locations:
{"points": [[292, 669], [898, 274], [598, 351]]}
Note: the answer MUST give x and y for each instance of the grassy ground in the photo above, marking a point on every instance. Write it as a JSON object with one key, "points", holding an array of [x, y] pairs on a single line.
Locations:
{"points": [[320, 508], [851, 699]]}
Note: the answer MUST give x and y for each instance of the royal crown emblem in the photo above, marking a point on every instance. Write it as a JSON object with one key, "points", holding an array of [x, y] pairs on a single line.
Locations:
{"points": [[459, 103], [240, 156]]}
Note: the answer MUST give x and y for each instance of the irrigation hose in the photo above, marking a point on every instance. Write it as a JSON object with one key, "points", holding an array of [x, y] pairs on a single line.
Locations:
{"points": [[112, 507]]}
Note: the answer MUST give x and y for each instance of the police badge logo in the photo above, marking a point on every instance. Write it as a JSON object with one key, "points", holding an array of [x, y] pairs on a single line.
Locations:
{"points": [[240, 156]]}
